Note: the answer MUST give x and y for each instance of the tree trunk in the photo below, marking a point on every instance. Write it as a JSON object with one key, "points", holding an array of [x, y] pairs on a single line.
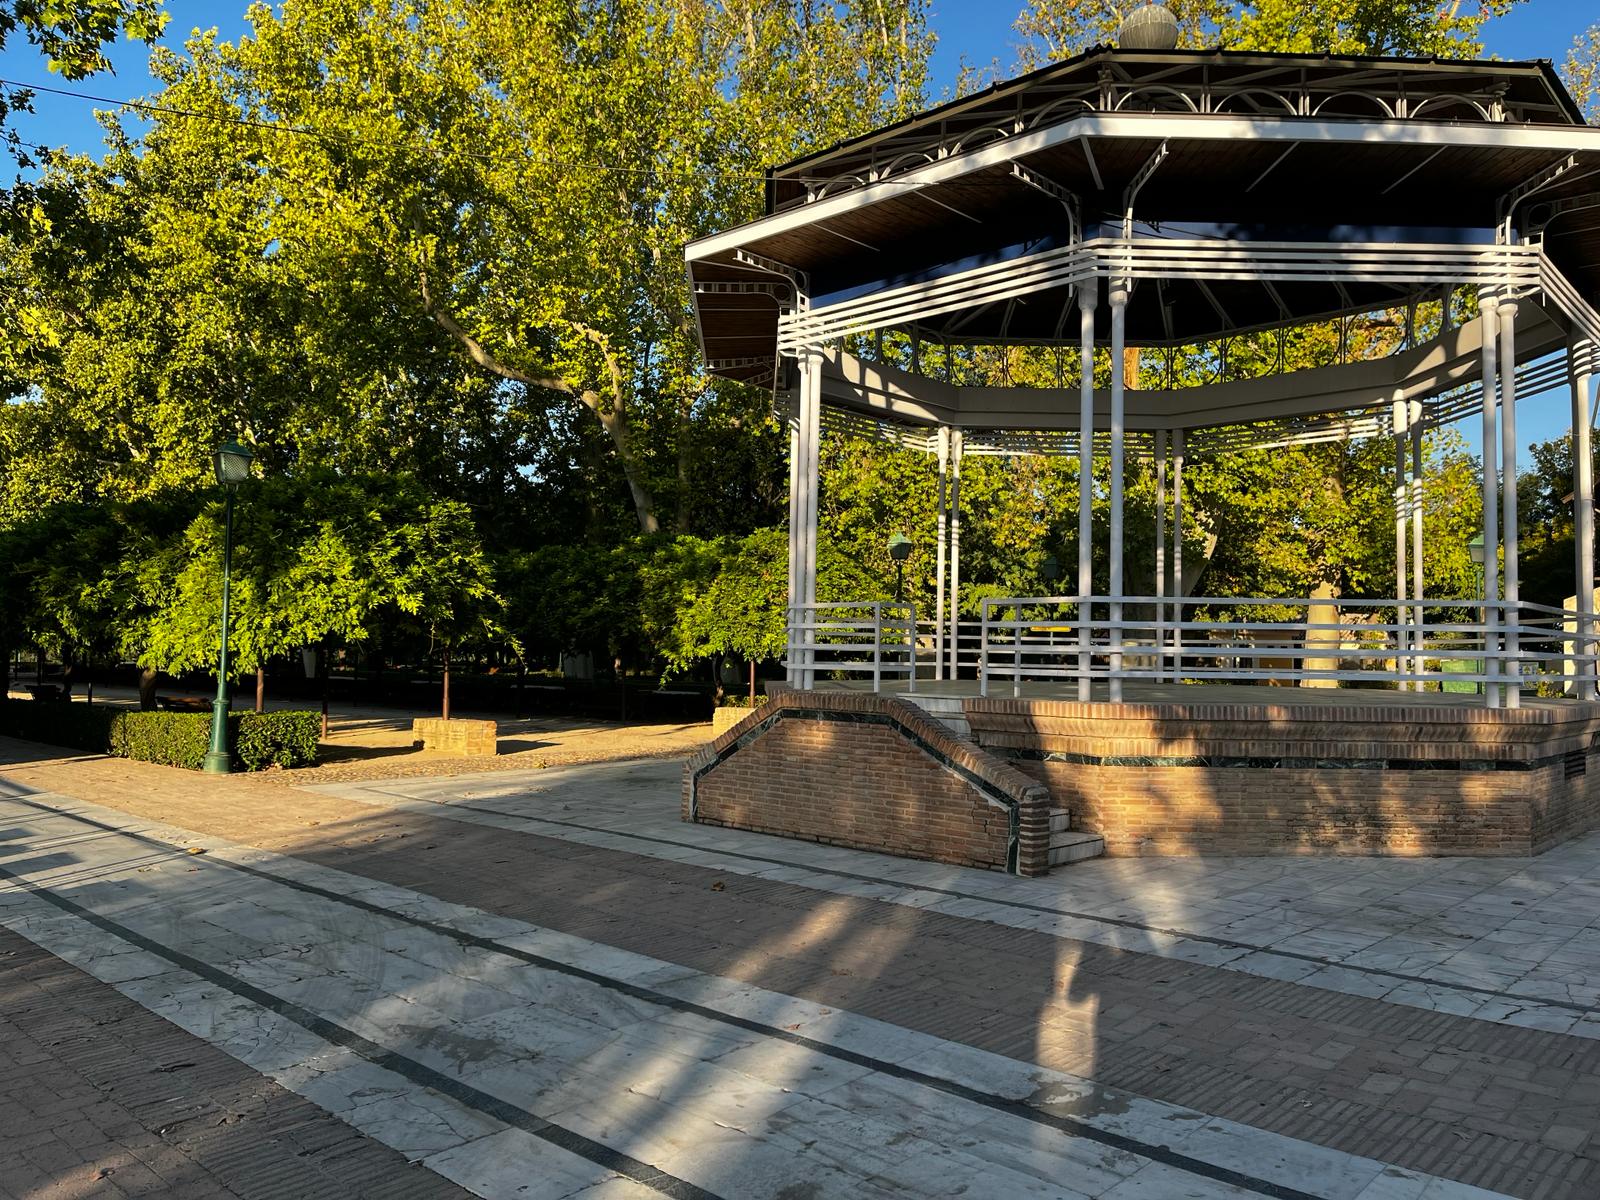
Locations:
{"points": [[446, 713], [613, 418], [147, 689], [261, 689]]}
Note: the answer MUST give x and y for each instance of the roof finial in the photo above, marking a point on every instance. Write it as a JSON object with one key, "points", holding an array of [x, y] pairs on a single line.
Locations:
{"points": [[1151, 27]]}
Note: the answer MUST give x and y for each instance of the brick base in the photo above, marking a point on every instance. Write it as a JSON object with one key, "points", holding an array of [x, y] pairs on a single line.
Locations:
{"points": [[455, 736], [855, 769], [1320, 779]]}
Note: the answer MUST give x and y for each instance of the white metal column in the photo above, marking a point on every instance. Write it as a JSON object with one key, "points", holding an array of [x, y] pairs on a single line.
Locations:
{"points": [[1418, 625], [1402, 503], [1177, 554], [796, 558], [944, 549], [1508, 491], [1088, 296], [1580, 359], [1119, 313], [957, 446], [810, 449], [1161, 548], [1491, 490]]}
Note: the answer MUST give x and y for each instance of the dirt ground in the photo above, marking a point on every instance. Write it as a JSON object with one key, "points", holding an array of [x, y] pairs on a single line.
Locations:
{"points": [[379, 747], [375, 743]]}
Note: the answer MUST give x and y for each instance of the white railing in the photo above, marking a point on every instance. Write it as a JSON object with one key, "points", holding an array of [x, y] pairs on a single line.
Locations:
{"points": [[1427, 645], [870, 637]]}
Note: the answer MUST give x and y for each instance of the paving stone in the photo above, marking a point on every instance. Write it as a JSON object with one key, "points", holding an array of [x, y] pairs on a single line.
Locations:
{"points": [[75, 1132]]}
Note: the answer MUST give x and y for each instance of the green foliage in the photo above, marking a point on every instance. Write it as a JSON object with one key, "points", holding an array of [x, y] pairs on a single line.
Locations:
{"points": [[1582, 72], [259, 740], [72, 35], [275, 739], [171, 739]]}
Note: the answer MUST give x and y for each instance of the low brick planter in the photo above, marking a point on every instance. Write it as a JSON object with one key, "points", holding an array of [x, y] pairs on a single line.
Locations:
{"points": [[455, 736]]}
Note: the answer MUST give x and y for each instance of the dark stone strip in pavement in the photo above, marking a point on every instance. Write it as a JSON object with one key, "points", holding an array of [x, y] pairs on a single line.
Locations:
{"points": [[592, 1150], [390, 1060], [1255, 1050], [104, 1098], [1259, 1051]]}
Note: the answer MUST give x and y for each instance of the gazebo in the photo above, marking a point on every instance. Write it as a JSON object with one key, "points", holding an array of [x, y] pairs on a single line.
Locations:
{"points": [[1152, 199]]}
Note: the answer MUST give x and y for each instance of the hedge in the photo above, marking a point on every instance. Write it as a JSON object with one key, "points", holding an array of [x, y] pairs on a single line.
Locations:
{"points": [[174, 739]]}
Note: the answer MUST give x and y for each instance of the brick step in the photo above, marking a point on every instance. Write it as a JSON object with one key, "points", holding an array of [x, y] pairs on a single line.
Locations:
{"points": [[1070, 846]]}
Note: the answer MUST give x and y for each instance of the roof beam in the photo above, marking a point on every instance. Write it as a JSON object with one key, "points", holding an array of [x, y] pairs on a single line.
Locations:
{"points": [[1209, 127]]}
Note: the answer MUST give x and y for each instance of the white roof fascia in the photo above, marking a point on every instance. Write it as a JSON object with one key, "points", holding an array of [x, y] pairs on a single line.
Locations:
{"points": [[1201, 127]]}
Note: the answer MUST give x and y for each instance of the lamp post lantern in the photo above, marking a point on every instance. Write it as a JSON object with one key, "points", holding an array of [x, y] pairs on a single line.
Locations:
{"points": [[899, 550], [232, 463]]}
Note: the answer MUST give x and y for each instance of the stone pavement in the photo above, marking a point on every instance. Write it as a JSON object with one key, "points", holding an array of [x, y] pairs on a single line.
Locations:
{"points": [[1298, 1090], [103, 1098], [1513, 940]]}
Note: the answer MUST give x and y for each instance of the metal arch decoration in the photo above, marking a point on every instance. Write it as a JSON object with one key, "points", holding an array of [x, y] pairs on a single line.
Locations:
{"points": [[900, 162], [1384, 107], [1122, 104], [1451, 98], [818, 191], [1041, 116], [975, 138], [1289, 107]]}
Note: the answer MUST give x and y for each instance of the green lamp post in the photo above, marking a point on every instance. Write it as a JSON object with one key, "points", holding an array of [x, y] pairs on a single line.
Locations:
{"points": [[900, 547], [232, 462]]}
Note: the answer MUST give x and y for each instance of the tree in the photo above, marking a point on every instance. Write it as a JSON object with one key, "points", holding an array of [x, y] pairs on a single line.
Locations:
{"points": [[1582, 73], [318, 557], [72, 35], [522, 176]]}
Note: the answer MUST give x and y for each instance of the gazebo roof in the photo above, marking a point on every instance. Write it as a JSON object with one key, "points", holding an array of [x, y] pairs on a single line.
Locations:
{"points": [[1225, 147]]}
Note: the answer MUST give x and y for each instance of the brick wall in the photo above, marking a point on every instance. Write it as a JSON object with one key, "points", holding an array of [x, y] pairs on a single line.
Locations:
{"points": [[1282, 778], [854, 769], [455, 736]]}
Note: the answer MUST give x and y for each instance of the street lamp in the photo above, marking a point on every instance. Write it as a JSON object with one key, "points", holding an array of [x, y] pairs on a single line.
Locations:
{"points": [[1049, 568], [232, 463], [899, 550]]}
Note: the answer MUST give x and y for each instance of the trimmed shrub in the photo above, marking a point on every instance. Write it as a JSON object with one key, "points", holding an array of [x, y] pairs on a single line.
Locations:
{"points": [[173, 739], [58, 723], [276, 739]]}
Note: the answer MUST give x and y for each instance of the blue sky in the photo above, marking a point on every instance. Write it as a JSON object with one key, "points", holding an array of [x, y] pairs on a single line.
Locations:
{"points": [[974, 31]]}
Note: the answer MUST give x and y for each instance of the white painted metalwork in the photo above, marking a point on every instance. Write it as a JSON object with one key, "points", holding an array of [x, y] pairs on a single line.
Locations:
{"points": [[1397, 264], [1511, 665], [1088, 296], [1490, 383], [1274, 641], [1582, 372], [873, 638]]}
